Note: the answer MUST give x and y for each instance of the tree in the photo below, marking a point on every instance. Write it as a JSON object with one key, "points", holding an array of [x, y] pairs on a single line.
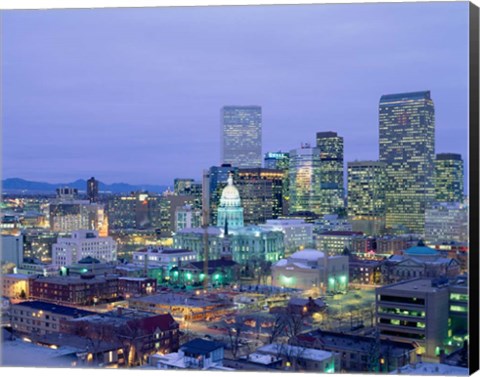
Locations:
{"points": [[277, 328], [23, 295], [293, 325]]}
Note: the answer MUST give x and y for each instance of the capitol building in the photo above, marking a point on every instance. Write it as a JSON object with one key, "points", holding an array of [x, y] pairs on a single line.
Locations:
{"points": [[230, 239]]}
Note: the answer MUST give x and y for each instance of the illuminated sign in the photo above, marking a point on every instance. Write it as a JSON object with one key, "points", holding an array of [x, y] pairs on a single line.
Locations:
{"points": [[277, 155]]}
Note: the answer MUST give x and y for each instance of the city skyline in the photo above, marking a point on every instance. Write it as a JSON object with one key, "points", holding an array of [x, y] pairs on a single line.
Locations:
{"points": [[109, 109]]}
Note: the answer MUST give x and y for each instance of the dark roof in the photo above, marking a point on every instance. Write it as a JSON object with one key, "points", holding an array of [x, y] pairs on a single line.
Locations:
{"points": [[214, 264], [201, 346], [449, 156], [88, 260], [163, 321], [59, 309], [405, 96], [174, 251]]}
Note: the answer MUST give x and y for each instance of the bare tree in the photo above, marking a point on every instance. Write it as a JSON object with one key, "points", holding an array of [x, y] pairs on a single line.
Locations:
{"points": [[277, 328], [293, 325]]}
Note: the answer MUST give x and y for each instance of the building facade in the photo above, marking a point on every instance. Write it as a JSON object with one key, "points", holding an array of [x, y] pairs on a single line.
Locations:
{"points": [[446, 222], [449, 178], [407, 147], [304, 171], [366, 196], [82, 244], [330, 146], [242, 136]]}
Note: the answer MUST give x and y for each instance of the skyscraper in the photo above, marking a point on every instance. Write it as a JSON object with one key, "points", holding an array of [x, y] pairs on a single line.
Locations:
{"points": [[449, 177], [304, 173], [92, 190], [407, 147], [242, 136], [280, 161], [330, 146], [366, 195]]}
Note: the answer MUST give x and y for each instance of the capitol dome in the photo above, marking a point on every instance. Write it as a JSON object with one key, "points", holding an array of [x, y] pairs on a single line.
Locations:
{"points": [[230, 195], [230, 210]]}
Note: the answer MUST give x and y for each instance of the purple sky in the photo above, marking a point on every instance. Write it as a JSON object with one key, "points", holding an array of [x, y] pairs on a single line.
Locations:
{"points": [[134, 95]]}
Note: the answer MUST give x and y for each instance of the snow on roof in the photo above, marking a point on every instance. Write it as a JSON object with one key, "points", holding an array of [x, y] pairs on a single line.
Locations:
{"points": [[260, 358], [433, 369], [281, 263], [309, 254], [304, 353]]}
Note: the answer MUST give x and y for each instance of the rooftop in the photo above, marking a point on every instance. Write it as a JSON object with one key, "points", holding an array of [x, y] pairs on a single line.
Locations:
{"points": [[308, 254], [432, 368], [172, 299], [304, 353], [53, 308], [201, 346], [417, 285]]}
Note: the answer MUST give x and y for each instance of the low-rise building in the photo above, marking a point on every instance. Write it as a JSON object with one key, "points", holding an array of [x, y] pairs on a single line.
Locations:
{"points": [[196, 354], [298, 358], [86, 289], [141, 333], [298, 234], [311, 269], [36, 318], [128, 286], [220, 272], [184, 308], [16, 285], [359, 353]]}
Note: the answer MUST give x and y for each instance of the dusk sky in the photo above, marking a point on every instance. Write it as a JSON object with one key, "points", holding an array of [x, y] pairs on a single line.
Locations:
{"points": [[134, 95]]}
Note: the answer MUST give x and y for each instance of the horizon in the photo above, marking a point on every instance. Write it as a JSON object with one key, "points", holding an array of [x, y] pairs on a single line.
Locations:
{"points": [[151, 64]]}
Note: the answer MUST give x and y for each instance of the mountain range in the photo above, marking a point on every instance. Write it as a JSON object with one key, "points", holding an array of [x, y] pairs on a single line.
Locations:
{"points": [[19, 184]]}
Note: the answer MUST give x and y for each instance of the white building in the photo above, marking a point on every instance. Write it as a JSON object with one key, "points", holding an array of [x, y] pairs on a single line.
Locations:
{"points": [[297, 233], [335, 242], [163, 257], [446, 222], [305, 269], [81, 244]]}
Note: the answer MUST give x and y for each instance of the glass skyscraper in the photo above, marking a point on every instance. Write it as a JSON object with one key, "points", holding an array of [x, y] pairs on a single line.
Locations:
{"points": [[407, 147], [242, 136], [449, 178], [366, 195], [304, 173], [330, 146]]}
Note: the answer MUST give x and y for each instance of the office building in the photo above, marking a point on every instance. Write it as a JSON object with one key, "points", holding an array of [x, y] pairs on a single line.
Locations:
{"points": [[297, 234], [280, 161], [330, 146], [242, 136], [81, 244], [304, 170], [366, 196], [415, 311], [187, 186], [92, 190], [187, 217], [262, 194], [446, 222], [336, 242], [407, 147], [449, 178]]}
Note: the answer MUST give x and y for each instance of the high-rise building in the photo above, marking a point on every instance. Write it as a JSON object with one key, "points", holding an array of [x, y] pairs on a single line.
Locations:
{"points": [[304, 170], [366, 196], [407, 147], [446, 222], [449, 178], [330, 146], [242, 136], [280, 161], [262, 194], [92, 190]]}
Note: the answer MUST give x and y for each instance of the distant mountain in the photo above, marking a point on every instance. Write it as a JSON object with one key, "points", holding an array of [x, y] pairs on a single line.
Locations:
{"points": [[18, 184]]}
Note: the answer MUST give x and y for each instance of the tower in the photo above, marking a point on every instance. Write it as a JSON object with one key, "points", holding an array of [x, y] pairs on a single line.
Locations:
{"points": [[330, 146], [449, 177], [242, 136], [92, 190], [407, 147]]}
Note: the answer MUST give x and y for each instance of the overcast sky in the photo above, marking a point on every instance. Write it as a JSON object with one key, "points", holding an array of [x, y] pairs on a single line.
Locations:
{"points": [[134, 95]]}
